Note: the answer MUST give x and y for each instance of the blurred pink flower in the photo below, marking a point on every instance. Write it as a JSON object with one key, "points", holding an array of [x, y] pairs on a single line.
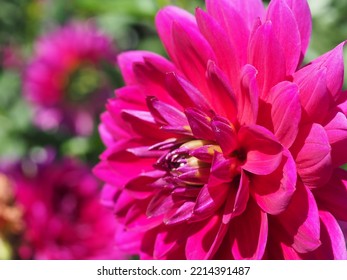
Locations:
{"points": [[62, 213], [11, 57], [64, 80], [230, 150]]}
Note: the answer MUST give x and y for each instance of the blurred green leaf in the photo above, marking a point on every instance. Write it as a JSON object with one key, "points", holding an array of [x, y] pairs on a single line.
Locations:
{"points": [[76, 146]]}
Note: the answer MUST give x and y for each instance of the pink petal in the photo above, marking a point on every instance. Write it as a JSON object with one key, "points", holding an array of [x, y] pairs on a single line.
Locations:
{"points": [[342, 102], [193, 53], [247, 99], [333, 196], [160, 204], [140, 115], [302, 15], [276, 248], [120, 147], [264, 153], [248, 233], [164, 20], [223, 99], [287, 32], [235, 26], [266, 55], [111, 131], [285, 112], [108, 195], [126, 241], [151, 75], [134, 101], [185, 93], [129, 97], [193, 176], [145, 152], [167, 144], [209, 200], [167, 241], [122, 203], [205, 238], [250, 11], [314, 95], [220, 44], [300, 221], [132, 96], [151, 248], [205, 153], [164, 113], [289, 253], [139, 187], [177, 254], [174, 130], [333, 242], [343, 226], [186, 193], [143, 123], [273, 192], [336, 130], [127, 60], [225, 136], [200, 124], [136, 218], [179, 214], [223, 169], [107, 129], [237, 200], [121, 166], [333, 62], [147, 244], [103, 171], [311, 152]]}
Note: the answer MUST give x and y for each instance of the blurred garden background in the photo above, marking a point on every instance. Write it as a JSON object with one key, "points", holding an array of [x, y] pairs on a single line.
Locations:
{"points": [[57, 69]]}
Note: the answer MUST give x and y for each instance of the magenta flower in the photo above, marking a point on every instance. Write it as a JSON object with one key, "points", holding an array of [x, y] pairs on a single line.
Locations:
{"points": [[62, 214], [11, 57], [231, 150], [65, 81]]}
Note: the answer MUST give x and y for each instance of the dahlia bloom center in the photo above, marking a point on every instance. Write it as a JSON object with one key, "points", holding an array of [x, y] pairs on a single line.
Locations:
{"points": [[190, 163]]}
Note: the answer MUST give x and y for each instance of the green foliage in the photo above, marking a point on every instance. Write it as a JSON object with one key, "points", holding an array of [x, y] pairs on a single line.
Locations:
{"points": [[14, 116]]}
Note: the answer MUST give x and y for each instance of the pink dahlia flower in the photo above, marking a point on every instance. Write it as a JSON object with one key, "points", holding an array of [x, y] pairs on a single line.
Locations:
{"points": [[64, 81], [62, 214], [230, 149]]}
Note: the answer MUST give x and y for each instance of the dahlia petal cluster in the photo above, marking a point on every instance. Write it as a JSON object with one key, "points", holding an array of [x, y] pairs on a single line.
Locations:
{"points": [[62, 214], [230, 149], [76, 51]]}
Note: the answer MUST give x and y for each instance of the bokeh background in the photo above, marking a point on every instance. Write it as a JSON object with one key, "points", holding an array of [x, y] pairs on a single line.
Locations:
{"points": [[29, 150]]}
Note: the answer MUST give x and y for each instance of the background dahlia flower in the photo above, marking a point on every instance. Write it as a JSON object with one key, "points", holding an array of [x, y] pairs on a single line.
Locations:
{"points": [[62, 214], [230, 149], [65, 80]]}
